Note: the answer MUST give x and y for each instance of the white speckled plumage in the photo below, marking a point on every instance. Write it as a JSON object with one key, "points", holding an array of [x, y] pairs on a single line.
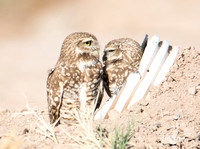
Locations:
{"points": [[121, 57], [73, 84]]}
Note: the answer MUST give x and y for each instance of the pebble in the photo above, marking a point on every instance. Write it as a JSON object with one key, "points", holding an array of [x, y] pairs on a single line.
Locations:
{"points": [[170, 127], [176, 117], [140, 110], [173, 69], [192, 90], [144, 103], [156, 126], [170, 79], [189, 132], [113, 114], [165, 113], [198, 87], [25, 131], [174, 134], [168, 140], [158, 140]]}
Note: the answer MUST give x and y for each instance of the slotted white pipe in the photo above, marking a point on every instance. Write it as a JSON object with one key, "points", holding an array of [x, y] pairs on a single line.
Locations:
{"points": [[101, 114], [149, 54], [151, 58], [166, 66], [133, 79], [131, 83], [151, 75]]}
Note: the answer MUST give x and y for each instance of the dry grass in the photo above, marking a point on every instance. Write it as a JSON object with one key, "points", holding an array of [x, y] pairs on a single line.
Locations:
{"points": [[44, 128], [87, 137]]}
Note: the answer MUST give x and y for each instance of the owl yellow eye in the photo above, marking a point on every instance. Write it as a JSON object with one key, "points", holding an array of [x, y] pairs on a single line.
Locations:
{"points": [[88, 43]]}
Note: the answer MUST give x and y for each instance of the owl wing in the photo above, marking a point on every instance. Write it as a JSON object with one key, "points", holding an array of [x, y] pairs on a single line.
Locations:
{"points": [[54, 95], [94, 90], [100, 93], [106, 81], [62, 93]]}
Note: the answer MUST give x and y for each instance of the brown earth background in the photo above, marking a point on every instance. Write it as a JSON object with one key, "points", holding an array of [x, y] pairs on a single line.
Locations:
{"points": [[31, 35]]}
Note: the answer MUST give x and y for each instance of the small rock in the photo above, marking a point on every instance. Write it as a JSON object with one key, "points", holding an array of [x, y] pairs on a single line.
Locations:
{"points": [[167, 118], [113, 114], [6, 111], [144, 103], [192, 90], [173, 69], [165, 113], [24, 110], [174, 134], [198, 87], [140, 110], [176, 117], [152, 115], [158, 140], [170, 127], [190, 133], [137, 129], [167, 74], [180, 138], [156, 126], [173, 147], [182, 125], [170, 79], [168, 140], [25, 131], [198, 138]]}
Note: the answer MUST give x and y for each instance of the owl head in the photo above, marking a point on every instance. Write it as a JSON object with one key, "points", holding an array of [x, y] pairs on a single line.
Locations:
{"points": [[115, 49], [80, 44]]}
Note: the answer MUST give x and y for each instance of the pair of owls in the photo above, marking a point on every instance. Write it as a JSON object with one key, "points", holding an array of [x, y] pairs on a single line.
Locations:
{"points": [[78, 79]]}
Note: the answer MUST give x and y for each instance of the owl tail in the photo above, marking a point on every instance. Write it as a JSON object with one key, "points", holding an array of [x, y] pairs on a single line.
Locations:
{"points": [[144, 43]]}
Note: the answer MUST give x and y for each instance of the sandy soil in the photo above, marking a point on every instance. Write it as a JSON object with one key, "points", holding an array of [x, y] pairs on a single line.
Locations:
{"points": [[30, 39]]}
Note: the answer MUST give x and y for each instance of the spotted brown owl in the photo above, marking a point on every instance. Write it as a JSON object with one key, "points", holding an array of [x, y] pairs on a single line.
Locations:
{"points": [[121, 57], [76, 81]]}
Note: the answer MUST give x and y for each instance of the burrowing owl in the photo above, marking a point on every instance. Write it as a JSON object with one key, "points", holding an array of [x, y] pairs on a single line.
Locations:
{"points": [[121, 57], [76, 80]]}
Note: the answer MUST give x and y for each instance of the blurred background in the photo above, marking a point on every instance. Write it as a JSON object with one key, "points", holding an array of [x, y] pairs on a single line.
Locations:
{"points": [[32, 32]]}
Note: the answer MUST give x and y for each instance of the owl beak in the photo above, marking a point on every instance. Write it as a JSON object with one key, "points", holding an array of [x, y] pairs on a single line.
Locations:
{"points": [[97, 47], [104, 58], [95, 52]]}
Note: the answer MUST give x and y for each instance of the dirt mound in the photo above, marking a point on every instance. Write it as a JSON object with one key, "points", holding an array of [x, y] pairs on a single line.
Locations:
{"points": [[169, 117]]}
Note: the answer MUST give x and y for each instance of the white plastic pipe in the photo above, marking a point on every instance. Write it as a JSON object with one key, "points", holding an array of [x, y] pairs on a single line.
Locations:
{"points": [[133, 79], [101, 114], [131, 83], [157, 63], [151, 75], [166, 66], [149, 54]]}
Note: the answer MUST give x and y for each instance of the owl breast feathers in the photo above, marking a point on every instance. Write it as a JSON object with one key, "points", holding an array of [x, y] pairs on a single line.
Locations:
{"points": [[121, 57], [76, 81]]}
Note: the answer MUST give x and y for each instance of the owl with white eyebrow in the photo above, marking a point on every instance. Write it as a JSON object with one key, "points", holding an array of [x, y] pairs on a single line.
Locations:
{"points": [[121, 57], [76, 81]]}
